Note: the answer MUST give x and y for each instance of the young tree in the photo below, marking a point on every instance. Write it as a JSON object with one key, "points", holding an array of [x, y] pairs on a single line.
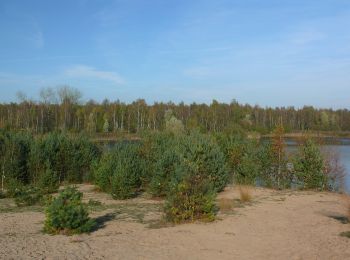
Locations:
{"points": [[279, 163], [105, 124], [172, 124], [309, 167]]}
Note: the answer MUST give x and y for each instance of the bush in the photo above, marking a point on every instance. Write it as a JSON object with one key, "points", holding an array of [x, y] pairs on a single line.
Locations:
{"points": [[48, 181], [28, 196], [199, 174], [70, 158], [274, 172], [308, 167], [242, 158], [153, 148], [189, 199], [120, 170], [164, 169], [14, 156], [66, 214], [204, 154], [13, 187]]}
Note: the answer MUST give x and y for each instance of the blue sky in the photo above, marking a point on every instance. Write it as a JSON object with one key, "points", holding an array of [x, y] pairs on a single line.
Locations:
{"points": [[271, 52]]}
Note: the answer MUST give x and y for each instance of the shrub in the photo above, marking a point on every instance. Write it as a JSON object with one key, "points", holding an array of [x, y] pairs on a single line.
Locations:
{"points": [[274, 172], [48, 181], [172, 124], [199, 174], [309, 165], [119, 171], [164, 169], [189, 199], [13, 186], [67, 214], [242, 158], [70, 158], [248, 170], [244, 193], [204, 154], [28, 196], [153, 148], [16, 147]]}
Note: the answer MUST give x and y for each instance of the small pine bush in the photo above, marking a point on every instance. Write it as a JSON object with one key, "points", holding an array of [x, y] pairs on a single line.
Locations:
{"points": [[309, 166], [192, 198], [202, 152], [200, 173], [13, 187], [28, 196], [164, 169], [67, 215], [120, 171], [48, 181]]}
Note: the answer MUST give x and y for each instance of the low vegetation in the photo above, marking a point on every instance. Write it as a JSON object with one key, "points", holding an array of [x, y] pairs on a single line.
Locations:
{"points": [[66, 214], [186, 169], [245, 193]]}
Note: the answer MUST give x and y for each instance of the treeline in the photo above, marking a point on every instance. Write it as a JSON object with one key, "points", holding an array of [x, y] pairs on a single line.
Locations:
{"points": [[62, 109]]}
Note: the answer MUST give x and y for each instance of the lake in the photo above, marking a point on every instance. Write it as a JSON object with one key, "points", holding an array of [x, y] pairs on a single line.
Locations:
{"points": [[340, 145]]}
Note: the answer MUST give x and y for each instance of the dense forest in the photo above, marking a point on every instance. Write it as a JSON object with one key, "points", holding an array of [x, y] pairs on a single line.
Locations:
{"points": [[62, 109]]}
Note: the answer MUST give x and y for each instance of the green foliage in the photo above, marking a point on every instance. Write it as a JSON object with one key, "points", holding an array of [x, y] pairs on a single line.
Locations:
{"points": [[172, 124], [68, 158], [274, 173], [13, 186], [242, 158], [309, 165], [153, 148], [28, 196], [204, 153], [67, 214], [191, 196], [48, 181], [248, 170], [120, 170], [200, 172], [164, 169], [14, 159]]}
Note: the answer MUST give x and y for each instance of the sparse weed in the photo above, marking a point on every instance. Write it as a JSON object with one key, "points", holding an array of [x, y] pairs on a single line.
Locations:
{"points": [[226, 205], [245, 193]]}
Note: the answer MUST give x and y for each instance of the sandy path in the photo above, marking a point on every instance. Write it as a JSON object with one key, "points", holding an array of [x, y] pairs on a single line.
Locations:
{"points": [[278, 225]]}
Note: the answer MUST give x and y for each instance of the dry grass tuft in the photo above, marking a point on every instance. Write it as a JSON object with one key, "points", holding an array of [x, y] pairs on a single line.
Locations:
{"points": [[245, 193], [226, 205]]}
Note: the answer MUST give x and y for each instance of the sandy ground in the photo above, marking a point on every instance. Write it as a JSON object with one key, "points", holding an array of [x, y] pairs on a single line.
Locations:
{"points": [[276, 225]]}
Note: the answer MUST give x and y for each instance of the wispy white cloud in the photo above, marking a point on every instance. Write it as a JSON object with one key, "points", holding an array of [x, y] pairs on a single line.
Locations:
{"points": [[83, 71]]}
